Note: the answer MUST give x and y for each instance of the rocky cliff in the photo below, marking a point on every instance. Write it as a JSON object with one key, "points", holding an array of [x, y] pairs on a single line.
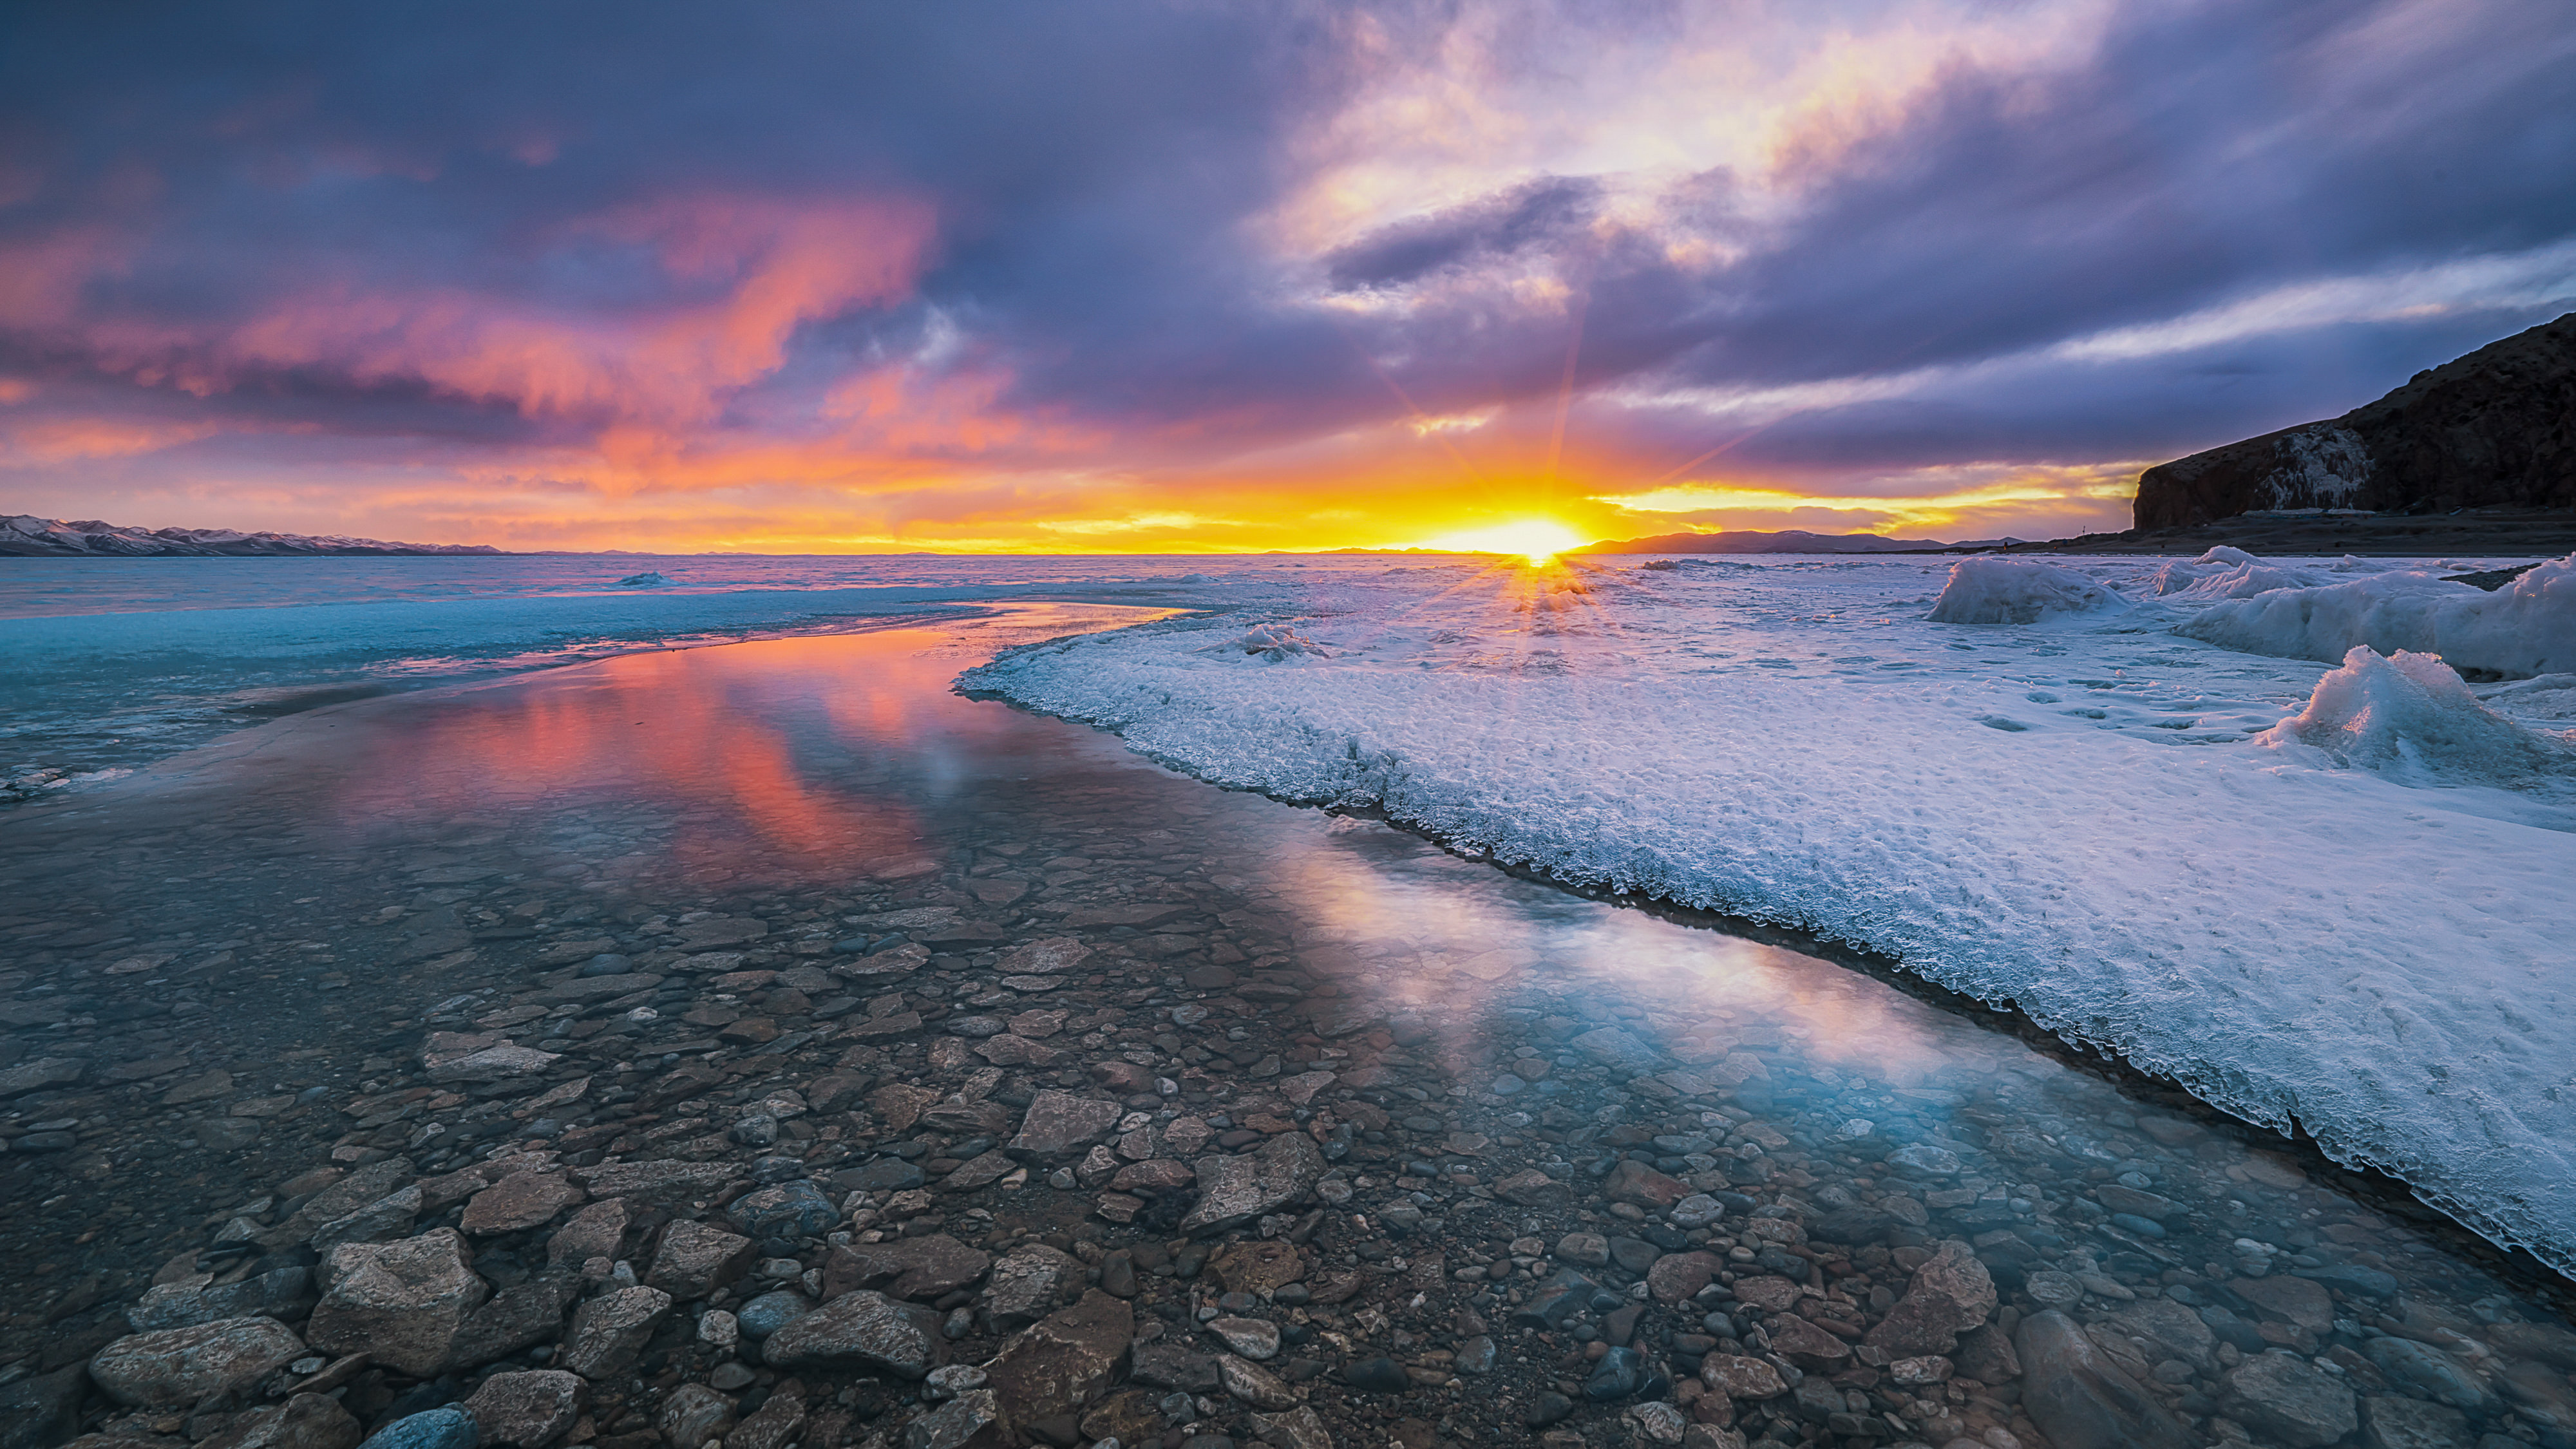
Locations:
{"points": [[26, 536], [2496, 428]]}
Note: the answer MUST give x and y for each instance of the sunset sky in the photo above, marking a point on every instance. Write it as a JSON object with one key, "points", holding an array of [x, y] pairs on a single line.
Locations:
{"points": [[1168, 277]]}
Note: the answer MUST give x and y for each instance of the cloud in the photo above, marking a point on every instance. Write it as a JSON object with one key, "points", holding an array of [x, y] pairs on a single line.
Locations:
{"points": [[1263, 274]]}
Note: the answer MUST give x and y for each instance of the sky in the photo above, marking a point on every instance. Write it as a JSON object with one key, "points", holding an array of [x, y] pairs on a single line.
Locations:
{"points": [[1170, 277]]}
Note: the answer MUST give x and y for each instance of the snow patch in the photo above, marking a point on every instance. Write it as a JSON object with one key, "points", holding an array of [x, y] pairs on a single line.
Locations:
{"points": [[2526, 628], [2017, 591], [2411, 718]]}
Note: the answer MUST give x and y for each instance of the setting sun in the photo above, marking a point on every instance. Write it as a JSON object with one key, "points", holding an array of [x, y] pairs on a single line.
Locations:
{"points": [[1535, 539]]}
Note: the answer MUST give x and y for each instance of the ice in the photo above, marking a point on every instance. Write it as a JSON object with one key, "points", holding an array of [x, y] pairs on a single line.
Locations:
{"points": [[1988, 590], [2410, 717], [2232, 573], [655, 579], [2527, 627], [2074, 818]]}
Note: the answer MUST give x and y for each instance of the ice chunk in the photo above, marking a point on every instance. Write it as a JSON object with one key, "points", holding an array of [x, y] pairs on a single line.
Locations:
{"points": [[1273, 643], [654, 580], [1986, 590], [2411, 718], [2527, 627]]}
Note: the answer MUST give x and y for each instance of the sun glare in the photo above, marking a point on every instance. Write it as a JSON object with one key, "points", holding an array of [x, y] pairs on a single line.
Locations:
{"points": [[1535, 539]]}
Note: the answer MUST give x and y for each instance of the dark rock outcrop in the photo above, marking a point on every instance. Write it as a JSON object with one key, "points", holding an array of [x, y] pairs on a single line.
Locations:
{"points": [[2496, 428]]}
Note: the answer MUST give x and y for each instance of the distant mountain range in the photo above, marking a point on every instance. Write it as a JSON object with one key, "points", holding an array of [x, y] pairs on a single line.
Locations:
{"points": [[1788, 540], [26, 536]]}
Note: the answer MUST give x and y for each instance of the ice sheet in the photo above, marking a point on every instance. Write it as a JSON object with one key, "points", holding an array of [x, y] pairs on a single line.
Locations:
{"points": [[2073, 817], [2527, 627]]}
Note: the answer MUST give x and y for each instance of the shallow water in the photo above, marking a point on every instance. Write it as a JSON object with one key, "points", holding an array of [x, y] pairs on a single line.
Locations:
{"points": [[235, 946]]}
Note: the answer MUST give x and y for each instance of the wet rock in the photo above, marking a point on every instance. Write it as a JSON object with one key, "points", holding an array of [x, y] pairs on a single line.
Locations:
{"points": [[2289, 1398], [2546, 1342], [1986, 1355], [1045, 957], [401, 1303], [609, 1332], [770, 1312], [886, 1174], [2287, 1300], [2389, 1423], [863, 1329], [42, 1410], [179, 1366], [1256, 1266], [914, 1268], [1949, 1295], [594, 1232], [695, 1260], [1061, 1123], [1236, 1190], [1531, 1188], [790, 1210], [1659, 1423], [2427, 1372], [1377, 1376], [441, 1428], [492, 1064], [1548, 1408], [275, 1294], [1619, 1374], [1588, 1249], [972, 1420], [656, 1181], [1029, 1282], [45, 1072], [1916, 1372], [306, 1421], [1064, 1360], [2081, 1399], [519, 1202], [1249, 1337], [1254, 1385], [982, 1170], [694, 1414], [1675, 1277], [388, 1217], [1806, 1345], [529, 1409], [1614, 1048], [1167, 1364], [775, 1424], [1634, 1182], [2170, 1331], [1298, 1428], [1476, 1356], [517, 1317]]}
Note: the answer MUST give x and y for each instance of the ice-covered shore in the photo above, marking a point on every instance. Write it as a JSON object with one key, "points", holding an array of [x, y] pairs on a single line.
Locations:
{"points": [[2088, 815]]}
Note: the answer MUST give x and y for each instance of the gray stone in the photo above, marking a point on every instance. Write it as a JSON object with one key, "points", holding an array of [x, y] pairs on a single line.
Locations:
{"points": [[274, 1294], [39, 1074], [609, 1332], [1949, 1295], [695, 1260], [179, 1366], [1060, 1123], [1027, 1284], [913, 1268], [1297, 1428], [594, 1232], [518, 1317], [2427, 1372], [42, 1410], [1065, 1360], [383, 1220], [662, 1181], [860, 1328], [306, 1421], [529, 1409], [694, 1414], [2170, 1330], [2081, 1399], [790, 1210], [401, 1303], [972, 1420], [2289, 1398], [1589, 1249], [1236, 1190], [770, 1312], [1253, 1384], [492, 1064], [1742, 1378], [1616, 1049], [1167, 1364], [447, 1428], [1249, 1337], [519, 1202], [2389, 1423]]}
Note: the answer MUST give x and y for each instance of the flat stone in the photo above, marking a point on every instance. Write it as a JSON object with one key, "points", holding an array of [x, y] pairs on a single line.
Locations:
{"points": [[1172, 1364], [1065, 1360], [1634, 1182], [1026, 1285], [1249, 1337], [1742, 1378], [2170, 1330], [1049, 956], [863, 1329], [1254, 1385], [911, 1268], [1768, 1292], [599, 988], [2391, 1423], [179, 1366], [449, 1427], [369, 1184], [1061, 1123], [2287, 1300], [1236, 1190], [666, 1181], [493, 1064], [2289, 1398], [204, 1088], [795, 1209], [519, 1202], [1297, 1428], [1676, 1277], [594, 1232], [275, 1294], [1616, 1049], [518, 1317], [383, 1220], [693, 1414], [694, 1260], [42, 1410], [982, 1170], [1588, 1249], [1532, 1188], [609, 1332], [775, 1423], [1949, 1295], [1806, 1345], [972, 1420], [305, 1421], [401, 1303], [2081, 1399], [1256, 1265], [529, 1409], [1154, 1177]]}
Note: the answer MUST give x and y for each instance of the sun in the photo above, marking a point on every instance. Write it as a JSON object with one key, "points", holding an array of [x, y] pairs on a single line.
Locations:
{"points": [[1535, 539]]}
